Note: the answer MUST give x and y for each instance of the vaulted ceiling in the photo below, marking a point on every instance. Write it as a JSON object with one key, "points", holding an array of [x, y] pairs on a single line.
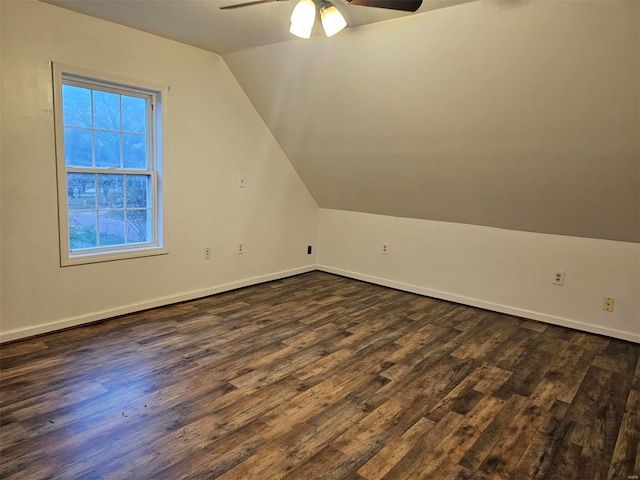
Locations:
{"points": [[515, 114]]}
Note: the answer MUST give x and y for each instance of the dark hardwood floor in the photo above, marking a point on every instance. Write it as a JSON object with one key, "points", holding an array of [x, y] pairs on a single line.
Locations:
{"points": [[318, 376]]}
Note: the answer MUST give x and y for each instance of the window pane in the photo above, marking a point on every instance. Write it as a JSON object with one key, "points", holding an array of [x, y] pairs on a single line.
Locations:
{"points": [[77, 147], [138, 191], [106, 110], [82, 230], [135, 151], [81, 191], [134, 114], [110, 191], [138, 226], [76, 106], [107, 149], [112, 228]]}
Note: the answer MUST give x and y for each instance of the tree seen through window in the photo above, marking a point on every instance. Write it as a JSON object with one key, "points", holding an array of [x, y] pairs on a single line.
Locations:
{"points": [[106, 131]]}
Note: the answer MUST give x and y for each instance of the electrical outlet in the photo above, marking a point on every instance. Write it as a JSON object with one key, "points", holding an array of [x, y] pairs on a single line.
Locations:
{"points": [[385, 249], [241, 182], [558, 278], [207, 253], [607, 304], [240, 249]]}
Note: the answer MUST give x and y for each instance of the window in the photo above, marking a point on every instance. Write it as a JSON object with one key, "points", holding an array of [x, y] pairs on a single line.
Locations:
{"points": [[108, 142]]}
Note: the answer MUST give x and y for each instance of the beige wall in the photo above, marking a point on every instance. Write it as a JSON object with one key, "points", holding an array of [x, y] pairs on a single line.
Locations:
{"points": [[502, 270], [213, 136], [518, 115]]}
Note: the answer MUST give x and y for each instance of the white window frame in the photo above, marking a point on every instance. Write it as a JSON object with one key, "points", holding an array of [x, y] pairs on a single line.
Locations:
{"points": [[157, 94]]}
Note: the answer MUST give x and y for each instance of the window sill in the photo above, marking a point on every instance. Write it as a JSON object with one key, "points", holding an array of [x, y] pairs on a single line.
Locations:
{"points": [[80, 259]]}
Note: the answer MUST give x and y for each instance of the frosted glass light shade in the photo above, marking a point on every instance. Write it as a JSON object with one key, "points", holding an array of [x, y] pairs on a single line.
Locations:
{"points": [[303, 11], [302, 18], [332, 19], [302, 30]]}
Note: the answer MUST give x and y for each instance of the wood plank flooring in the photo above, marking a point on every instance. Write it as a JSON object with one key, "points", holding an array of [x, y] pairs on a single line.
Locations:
{"points": [[319, 376]]}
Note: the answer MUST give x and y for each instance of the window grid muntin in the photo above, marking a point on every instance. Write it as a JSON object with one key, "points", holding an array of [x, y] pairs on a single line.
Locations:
{"points": [[125, 209], [95, 85]]}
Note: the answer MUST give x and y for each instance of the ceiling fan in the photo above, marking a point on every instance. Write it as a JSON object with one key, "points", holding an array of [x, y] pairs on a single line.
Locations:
{"points": [[304, 13]]}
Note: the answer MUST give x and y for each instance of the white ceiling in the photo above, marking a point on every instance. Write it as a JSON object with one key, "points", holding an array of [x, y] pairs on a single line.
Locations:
{"points": [[202, 24]]}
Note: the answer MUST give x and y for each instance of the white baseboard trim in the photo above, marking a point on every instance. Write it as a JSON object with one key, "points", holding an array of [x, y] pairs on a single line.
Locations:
{"points": [[19, 333], [474, 302], [26, 332]]}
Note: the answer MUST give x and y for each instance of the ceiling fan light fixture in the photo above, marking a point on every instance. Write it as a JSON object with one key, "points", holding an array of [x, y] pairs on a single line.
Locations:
{"points": [[302, 18], [332, 20]]}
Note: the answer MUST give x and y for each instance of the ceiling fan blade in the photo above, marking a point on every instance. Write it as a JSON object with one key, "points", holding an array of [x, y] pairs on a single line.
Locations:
{"points": [[406, 5], [248, 4]]}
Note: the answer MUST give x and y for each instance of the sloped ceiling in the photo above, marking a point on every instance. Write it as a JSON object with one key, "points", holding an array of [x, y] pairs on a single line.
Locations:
{"points": [[519, 115]]}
